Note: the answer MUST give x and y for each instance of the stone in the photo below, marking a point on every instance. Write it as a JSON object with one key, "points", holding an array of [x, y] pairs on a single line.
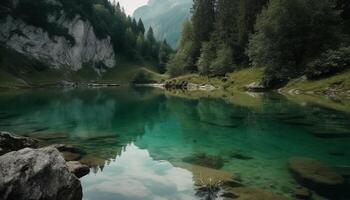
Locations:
{"points": [[246, 193], [69, 156], [316, 175], [10, 142], [203, 159], [67, 148], [78, 169], [239, 155], [69, 152], [302, 193], [37, 174], [203, 176]]}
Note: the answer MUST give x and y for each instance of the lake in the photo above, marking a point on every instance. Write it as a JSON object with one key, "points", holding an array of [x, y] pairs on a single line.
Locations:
{"points": [[146, 144]]}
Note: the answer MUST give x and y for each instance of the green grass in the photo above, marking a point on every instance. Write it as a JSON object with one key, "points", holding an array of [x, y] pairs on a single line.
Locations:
{"points": [[231, 82], [339, 83]]}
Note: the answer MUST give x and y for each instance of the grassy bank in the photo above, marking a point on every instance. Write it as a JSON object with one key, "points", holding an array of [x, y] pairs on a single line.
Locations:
{"points": [[231, 82], [338, 85]]}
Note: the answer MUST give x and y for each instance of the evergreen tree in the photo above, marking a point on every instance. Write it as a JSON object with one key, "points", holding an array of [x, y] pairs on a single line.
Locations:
{"points": [[248, 12], [140, 27], [203, 24], [163, 56], [206, 58], [134, 27], [150, 35], [180, 62]]}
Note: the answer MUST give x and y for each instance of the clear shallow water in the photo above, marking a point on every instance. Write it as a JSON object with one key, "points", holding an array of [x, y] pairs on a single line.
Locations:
{"points": [[135, 139]]}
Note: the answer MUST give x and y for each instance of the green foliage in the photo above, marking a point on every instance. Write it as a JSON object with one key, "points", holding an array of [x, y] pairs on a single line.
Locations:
{"points": [[141, 77], [223, 62], [203, 24], [206, 57], [140, 27], [163, 56], [180, 62], [330, 63], [289, 34]]}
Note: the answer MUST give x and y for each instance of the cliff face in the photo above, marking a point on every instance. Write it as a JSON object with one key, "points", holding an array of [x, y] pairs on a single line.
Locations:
{"points": [[58, 51]]}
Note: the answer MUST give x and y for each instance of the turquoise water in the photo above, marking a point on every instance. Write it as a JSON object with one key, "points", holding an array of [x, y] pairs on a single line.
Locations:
{"points": [[136, 139]]}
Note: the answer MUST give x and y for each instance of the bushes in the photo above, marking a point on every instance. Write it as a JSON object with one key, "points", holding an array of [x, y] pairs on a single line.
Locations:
{"points": [[143, 77], [330, 63]]}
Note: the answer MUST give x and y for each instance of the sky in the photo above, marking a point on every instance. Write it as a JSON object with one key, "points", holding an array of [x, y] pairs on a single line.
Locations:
{"points": [[131, 5]]}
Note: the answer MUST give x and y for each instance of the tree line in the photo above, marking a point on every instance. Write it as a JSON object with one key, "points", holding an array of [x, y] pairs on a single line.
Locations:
{"points": [[289, 38]]}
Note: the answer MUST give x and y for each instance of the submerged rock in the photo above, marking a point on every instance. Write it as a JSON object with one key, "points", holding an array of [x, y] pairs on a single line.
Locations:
{"points": [[317, 176], [239, 155], [78, 169], [246, 193], [10, 142], [302, 193], [203, 159], [69, 152], [37, 174]]}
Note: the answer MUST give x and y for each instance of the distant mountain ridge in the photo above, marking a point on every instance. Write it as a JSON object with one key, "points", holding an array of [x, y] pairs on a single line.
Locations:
{"points": [[166, 17]]}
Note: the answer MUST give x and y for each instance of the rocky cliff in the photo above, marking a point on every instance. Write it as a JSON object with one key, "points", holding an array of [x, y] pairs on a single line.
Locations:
{"points": [[84, 47]]}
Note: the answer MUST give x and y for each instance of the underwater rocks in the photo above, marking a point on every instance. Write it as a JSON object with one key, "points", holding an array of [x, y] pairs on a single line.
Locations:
{"points": [[69, 152], [246, 193], [37, 174], [203, 159], [316, 175], [239, 155], [78, 169], [302, 193], [10, 142]]}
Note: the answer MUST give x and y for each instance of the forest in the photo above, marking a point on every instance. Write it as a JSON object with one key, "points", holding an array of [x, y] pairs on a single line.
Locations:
{"points": [[288, 38]]}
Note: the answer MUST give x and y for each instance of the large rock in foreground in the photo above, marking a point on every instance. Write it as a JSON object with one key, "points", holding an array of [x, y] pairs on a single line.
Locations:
{"points": [[317, 176], [10, 142], [38, 174]]}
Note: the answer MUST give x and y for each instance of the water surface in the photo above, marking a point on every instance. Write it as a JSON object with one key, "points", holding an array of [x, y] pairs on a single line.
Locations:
{"points": [[136, 139]]}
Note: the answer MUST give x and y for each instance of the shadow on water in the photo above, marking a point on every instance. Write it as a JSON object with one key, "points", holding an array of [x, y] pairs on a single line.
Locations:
{"points": [[134, 139]]}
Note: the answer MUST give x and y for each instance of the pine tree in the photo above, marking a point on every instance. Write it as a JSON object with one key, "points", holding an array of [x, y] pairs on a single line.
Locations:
{"points": [[203, 24], [150, 35], [206, 58], [180, 62], [134, 27], [163, 56], [140, 27]]}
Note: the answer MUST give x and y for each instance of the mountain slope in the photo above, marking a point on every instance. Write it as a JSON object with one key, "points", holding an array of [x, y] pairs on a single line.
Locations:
{"points": [[166, 17], [44, 42]]}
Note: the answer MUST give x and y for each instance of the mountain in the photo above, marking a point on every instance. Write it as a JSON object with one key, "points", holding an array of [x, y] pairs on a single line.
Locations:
{"points": [[166, 17], [68, 40]]}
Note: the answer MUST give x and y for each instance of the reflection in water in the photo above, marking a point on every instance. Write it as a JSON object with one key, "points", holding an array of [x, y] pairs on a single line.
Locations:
{"points": [[135, 175], [124, 132]]}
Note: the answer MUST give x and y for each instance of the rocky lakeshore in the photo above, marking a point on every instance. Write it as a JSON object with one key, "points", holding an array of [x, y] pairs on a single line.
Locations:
{"points": [[29, 172]]}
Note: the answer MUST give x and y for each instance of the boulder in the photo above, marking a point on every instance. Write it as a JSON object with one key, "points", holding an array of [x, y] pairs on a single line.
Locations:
{"points": [[302, 193], [38, 174], [78, 169], [246, 193], [317, 176], [10, 142]]}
